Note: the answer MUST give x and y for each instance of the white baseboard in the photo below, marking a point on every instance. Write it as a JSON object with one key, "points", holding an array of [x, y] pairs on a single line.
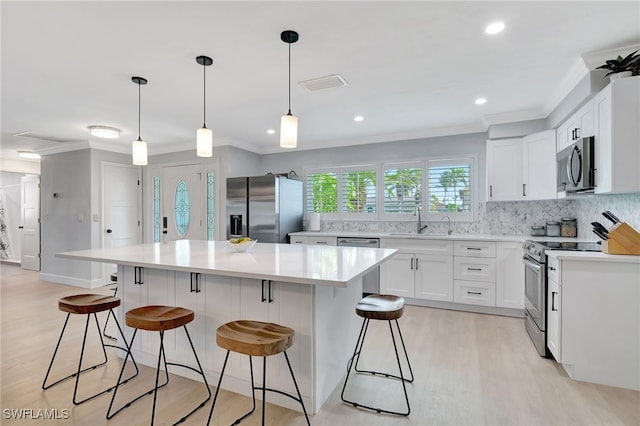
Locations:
{"points": [[76, 282]]}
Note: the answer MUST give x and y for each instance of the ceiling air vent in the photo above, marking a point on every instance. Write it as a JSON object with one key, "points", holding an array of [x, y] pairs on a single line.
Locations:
{"points": [[39, 136], [322, 83]]}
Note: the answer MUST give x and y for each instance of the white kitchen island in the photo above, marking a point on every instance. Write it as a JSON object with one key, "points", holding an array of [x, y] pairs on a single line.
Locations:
{"points": [[312, 289]]}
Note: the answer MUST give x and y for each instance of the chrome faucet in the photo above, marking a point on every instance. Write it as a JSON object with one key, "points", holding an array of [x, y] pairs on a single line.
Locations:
{"points": [[417, 213], [449, 231]]}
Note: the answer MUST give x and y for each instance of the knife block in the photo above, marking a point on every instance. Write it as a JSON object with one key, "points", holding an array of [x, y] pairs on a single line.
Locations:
{"points": [[623, 239]]}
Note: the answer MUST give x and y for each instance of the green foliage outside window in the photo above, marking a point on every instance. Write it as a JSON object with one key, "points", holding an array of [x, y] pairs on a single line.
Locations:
{"points": [[324, 192], [358, 187], [403, 190]]}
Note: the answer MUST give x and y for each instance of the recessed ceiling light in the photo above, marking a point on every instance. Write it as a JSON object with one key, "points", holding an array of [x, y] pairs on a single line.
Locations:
{"points": [[271, 132], [29, 154], [104, 132], [494, 28], [481, 101], [358, 118]]}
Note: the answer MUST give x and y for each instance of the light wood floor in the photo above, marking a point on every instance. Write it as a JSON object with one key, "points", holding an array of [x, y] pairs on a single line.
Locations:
{"points": [[470, 369]]}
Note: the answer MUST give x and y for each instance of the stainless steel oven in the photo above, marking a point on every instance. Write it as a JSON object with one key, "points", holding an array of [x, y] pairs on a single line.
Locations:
{"points": [[535, 285]]}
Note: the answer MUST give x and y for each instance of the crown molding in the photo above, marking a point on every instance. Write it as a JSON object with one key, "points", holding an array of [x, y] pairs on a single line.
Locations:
{"points": [[596, 58]]}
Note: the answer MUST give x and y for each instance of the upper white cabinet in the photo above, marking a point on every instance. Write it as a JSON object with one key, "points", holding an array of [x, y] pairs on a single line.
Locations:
{"points": [[504, 169], [580, 125], [617, 131], [539, 166], [522, 168]]}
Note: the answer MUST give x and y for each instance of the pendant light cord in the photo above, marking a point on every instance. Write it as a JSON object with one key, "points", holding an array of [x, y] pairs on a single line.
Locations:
{"points": [[289, 78], [204, 96], [139, 109]]}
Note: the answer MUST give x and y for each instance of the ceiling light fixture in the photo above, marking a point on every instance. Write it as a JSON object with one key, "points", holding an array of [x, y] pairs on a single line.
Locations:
{"points": [[139, 147], [481, 101], [28, 154], [104, 132], [271, 132], [204, 138], [494, 28], [358, 118], [289, 122]]}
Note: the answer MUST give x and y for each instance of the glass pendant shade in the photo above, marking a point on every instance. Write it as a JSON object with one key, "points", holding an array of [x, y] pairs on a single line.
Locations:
{"points": [[204, 142], [139, 151], [289, 131]]}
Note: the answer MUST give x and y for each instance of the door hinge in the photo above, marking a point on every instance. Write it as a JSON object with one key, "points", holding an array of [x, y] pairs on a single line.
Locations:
{"points": [[38, 255], [38, 220], [138, 223]]}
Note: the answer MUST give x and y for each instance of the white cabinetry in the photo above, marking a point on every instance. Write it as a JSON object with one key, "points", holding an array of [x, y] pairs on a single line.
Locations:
{"points": [[522, 168], [554, 317], [504, 169], [319, 240], [474, 272], [422, 269], [580, 125], [509, 275], [617, 130], [539, 166]]}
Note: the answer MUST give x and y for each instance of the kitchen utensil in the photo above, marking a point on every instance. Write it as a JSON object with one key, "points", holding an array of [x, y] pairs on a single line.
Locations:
{"points": [[600, 234], [600, 227], [613, 218]]}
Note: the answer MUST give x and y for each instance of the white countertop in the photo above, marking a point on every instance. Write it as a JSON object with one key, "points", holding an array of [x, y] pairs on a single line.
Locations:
{"points": [[428, 236], [592, 256], [306, 264]]}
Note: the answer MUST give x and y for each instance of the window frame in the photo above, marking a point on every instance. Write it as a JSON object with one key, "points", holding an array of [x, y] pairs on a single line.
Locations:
{"points": [[400, 165], [451, 161]]}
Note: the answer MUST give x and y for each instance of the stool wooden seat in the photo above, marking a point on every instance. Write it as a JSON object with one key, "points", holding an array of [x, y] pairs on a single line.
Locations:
{"points": [[388, 308], [158, 318], [88, 304], [256, 338], [381, 307], [161, 318]]}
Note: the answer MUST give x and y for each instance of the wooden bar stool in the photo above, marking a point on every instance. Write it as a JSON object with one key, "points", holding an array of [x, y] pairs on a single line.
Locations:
{"points": [[88, 304], [387, 308], [161, 319], [255, 338]]}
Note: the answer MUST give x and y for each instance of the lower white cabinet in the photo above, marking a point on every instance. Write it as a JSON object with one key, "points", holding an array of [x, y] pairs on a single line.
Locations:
{"points": [[553, 320], [474, 292], [319, 240], [509, 275], [474, 271], [422, 269]]}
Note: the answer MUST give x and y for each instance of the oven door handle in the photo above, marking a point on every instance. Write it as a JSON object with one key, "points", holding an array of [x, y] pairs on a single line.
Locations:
{"points": [[533, 265]]}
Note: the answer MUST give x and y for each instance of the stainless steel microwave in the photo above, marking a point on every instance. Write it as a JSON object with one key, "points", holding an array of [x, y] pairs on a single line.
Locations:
{"points": [[576, 166]]}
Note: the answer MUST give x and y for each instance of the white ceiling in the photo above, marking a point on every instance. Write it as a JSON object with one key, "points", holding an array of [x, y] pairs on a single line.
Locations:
{"points": [[413, 69]]}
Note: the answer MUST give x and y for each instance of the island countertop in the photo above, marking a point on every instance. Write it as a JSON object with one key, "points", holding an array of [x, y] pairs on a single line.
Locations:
{"points": [[305, 264]]}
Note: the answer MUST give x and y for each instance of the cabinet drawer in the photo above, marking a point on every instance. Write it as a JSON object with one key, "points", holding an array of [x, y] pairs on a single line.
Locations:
{"points": [[474, 269], [474, 293], [474, 248], [553, 269], [324, 241]]}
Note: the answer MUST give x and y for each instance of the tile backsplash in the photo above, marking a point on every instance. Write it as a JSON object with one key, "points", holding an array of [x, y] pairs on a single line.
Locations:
{"points": [[517, 217]]}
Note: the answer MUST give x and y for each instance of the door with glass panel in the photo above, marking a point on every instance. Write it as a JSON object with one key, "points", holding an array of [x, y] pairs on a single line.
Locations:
{"points": [[182, 203]]}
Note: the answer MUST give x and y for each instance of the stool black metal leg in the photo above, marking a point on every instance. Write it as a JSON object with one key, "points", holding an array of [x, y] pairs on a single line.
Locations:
{"points": [[104, 331], [264, 387], [356, 355], [215, 398], [406, 355], [304, 410], [253, 395]]}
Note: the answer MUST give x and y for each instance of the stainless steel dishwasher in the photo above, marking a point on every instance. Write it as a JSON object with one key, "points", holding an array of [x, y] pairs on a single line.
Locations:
{"points": [[371, 281]]}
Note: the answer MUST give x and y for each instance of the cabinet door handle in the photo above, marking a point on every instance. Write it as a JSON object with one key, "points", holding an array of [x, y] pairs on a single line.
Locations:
{"points": [[524, 192], [553, 300], [474, 248], [321, 242], [416, 264], [270, 292], [490, 191], [195, 282], [476, 293], [137, 275], [412, 263], [578, 133], [474, 269], [264, 299]]}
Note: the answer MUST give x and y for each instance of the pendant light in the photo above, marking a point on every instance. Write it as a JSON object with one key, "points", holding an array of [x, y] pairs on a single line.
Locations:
{"points": [[139, 147], [289, 122], [204, 137]]}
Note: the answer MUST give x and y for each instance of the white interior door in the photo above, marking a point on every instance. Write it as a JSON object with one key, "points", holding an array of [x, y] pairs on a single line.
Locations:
{"points": [[182, 203], [30, 207], [122, 208]]}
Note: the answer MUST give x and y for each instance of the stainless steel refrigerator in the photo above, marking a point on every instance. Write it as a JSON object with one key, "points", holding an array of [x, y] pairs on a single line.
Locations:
{"points": [[265, 208]]}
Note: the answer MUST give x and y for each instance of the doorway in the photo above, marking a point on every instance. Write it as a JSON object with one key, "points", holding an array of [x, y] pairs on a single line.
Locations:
{"points": [[30, 212], [182, 203]]}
